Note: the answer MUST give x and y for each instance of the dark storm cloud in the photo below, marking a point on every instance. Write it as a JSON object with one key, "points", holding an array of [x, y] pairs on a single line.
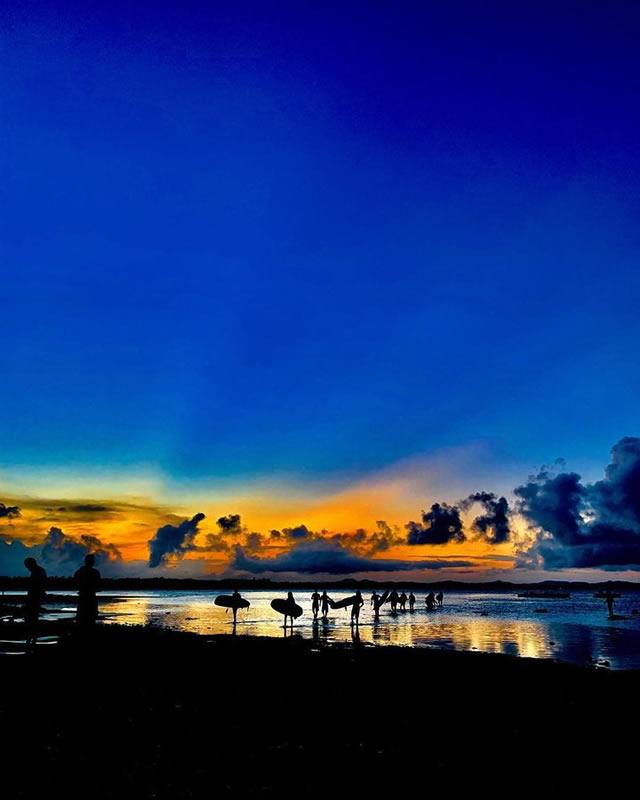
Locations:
{"points": [[59, 550], [440, 525], [12, 555], [59, 553], [585, 525], [10, 512], [299, 532], [230, 525], [173, 540], [493, 525], [329, 557]]}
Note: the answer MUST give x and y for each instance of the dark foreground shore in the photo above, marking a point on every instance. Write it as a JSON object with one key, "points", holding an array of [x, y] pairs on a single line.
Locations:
{"points": [[142, 713]]}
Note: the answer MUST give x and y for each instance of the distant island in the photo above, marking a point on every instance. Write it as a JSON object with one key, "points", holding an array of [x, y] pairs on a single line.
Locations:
{"points": [[265, 584]]}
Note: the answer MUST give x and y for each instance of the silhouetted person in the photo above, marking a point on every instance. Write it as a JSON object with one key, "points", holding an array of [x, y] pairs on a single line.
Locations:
{"points": [[355, 608], [35, 598], [393, 600], [440, 598], [608, 597], [291, 600], [403, 601], [412, 601], [375, 602], [236, 596], [324, 604], [87, 580], [315, 603], [430, 600]]}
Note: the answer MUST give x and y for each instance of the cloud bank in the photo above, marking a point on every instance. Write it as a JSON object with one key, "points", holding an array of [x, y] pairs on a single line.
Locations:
{"points": [[332, 558], [579, 525]]}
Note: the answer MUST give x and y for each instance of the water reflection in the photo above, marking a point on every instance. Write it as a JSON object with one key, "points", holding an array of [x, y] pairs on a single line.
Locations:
{"points": [[577, 630]]}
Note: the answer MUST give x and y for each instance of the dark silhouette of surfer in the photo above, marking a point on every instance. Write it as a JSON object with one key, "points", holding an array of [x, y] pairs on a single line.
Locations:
{"points": [[375, 599], [430, 600], [324, 604], [35, 598], [440, 598], [355, 608], [393, 600], [237, 597], [403, 601], [315, 603], [412, 601], [608, 598], [87, 580], [290, 599]]}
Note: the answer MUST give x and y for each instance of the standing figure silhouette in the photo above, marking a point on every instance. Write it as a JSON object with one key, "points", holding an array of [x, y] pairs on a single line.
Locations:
{"points": [[236, 596], [324, 604], [35, 598], [87, 580], [355, 608], [440, 598], [412, 601], [291, 600], [315, 603], [608, 597]]}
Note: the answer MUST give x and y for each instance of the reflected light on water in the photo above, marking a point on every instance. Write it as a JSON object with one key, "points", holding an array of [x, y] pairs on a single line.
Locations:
{"points": [[573, 631]]}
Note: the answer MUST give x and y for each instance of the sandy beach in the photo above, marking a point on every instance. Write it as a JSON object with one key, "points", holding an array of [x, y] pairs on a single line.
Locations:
{"points": [[145, 713]]}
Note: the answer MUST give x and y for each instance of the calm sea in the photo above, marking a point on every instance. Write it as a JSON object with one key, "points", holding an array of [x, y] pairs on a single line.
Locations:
{"points": [[576, 629]]}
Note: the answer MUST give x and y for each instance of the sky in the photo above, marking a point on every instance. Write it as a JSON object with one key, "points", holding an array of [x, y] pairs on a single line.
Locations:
{"points": [[320, 265]]}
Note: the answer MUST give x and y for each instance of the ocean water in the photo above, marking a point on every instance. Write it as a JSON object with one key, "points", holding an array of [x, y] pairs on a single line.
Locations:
{"points": [[576, 629]]}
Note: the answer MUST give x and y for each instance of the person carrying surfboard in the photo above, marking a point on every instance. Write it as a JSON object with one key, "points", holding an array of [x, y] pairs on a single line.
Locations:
{"points": [[236, 596]]}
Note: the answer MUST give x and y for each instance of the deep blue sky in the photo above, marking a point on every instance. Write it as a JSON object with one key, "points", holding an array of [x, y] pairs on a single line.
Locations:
{"points": [[317, 238]]}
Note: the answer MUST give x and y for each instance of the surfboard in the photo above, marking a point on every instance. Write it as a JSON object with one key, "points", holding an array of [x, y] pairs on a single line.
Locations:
{"points": [[229, 601], [348, 601], [286, 607], [381, 601]]}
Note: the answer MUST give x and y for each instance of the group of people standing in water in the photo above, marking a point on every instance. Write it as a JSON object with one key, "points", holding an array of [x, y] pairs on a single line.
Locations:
{"points": [[321, 603], [87, 580]]}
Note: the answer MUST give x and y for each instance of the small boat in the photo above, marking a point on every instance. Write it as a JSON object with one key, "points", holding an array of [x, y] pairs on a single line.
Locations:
{"points": [[545, 595]]}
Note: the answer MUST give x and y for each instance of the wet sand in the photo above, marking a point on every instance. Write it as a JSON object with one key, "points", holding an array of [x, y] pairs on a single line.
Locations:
{"points": [[146, 713]]}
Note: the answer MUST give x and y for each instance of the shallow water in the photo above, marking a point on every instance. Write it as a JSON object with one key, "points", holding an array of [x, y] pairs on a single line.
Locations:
{"points": [[575, 629]]}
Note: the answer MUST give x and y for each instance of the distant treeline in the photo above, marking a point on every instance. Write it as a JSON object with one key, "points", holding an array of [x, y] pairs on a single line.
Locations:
{"points": [[258, 584]]}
